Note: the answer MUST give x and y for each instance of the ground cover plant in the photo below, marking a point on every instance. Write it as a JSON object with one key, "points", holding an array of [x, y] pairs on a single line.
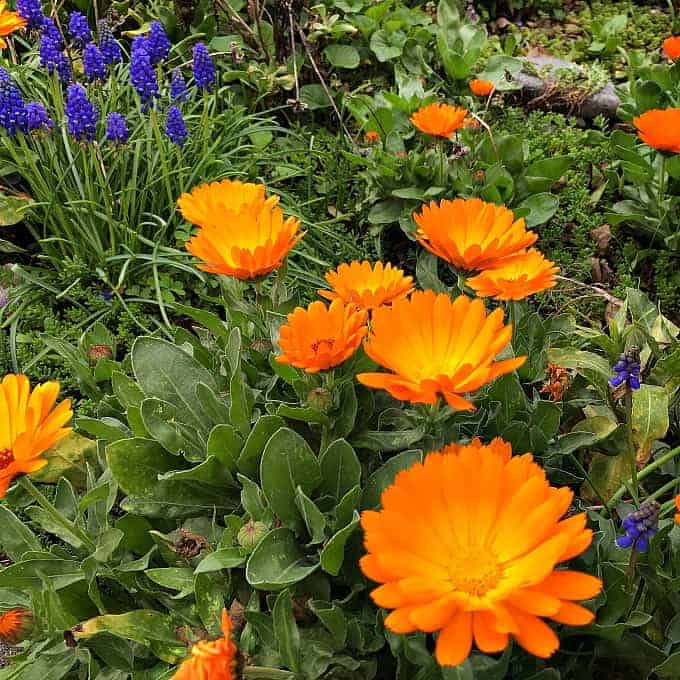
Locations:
{"points": [[329, 351]]}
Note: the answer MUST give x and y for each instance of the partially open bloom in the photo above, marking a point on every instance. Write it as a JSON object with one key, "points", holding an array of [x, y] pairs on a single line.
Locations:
{"points": [[9, 22], [372, 137], [470, 233], [482, 88], [671, 47], [108, 45], [212, 660], [660, 129], [29, 425], [640, 526], [242, 232], [15, 625], [367, 286], [557, 382], [434, 345], [320, 337], [467, 544], [439, 120], [178, 87], [516, 279], [627, 371]]}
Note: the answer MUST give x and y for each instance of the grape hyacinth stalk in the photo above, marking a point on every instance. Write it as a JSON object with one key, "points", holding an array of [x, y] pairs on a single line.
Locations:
{"points": [[81, 115], [175, 127], [93, 63], [12, 108], [31, 10], [178, 87], [157, 44], [116, 128], [108, 45], [4, 297], [640, 526], [142, 73], [203, 67], [52, 56], [37, 119], [79, 29], [627, 370]]}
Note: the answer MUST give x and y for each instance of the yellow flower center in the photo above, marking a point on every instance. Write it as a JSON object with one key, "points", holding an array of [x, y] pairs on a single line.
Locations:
{"points": [[6, 458], [325, 343], [475, 572]]}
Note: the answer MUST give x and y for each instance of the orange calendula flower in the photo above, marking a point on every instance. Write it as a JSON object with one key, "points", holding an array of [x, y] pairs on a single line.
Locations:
{"points": [[212, 660], [372, 137], [15, 625], [440, 120], [466, 545], [482, 88], [671, 47], [517, 278], [320, 337], [660, 129], [434, 345], [9, 22], [367, 286], [677, 507], [470, 233], [29, 425], [242, 233]]}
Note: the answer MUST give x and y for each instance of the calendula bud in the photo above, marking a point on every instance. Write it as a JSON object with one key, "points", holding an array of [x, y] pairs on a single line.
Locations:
{"points": [[15, 625], [97, 352], [320, 399], [261, 345], [251, 534]]}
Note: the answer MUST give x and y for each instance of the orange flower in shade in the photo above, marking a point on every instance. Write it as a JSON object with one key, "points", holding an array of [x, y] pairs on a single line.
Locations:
{"points": [[320, 337], [215, 660], [671, 47], [29, 425], [15, 625], [517, 278], [482, 88], [366, 286], [660, 129], [9, 22], [470, 233], [439, 120], [677, 507], [434, 345], [242, 233], [466, 545], [372, 137]]}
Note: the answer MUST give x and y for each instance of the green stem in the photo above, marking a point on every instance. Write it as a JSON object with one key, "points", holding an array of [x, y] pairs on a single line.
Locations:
{"points": [[262, 673], [655, 465], [442, 163], [662, 181], [30, 488], [632, 451]]}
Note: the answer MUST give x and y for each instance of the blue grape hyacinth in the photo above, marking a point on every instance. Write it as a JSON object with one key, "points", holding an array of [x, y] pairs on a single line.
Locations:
{"points": [[203, 67], [116, 128], [79, 29], [81, 114], [31, 10], [640, 526], [12, 108], [37, 119], [142, 73], [627, 370], [158, 43], [175, 127], [93, 63], [178, 87], [108, 45]]}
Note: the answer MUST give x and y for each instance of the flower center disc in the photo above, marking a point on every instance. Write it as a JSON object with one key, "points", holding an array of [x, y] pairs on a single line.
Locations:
{"points": [[475, 573], [6, 458], [326, 343]]}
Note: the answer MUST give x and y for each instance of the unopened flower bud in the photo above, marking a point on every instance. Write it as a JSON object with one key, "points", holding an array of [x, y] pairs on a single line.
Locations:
{"points": [[251, 534], [320, 399], [97, 352], [15, 625]]}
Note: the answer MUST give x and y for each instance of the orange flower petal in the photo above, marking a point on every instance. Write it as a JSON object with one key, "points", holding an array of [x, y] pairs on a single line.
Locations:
{"points": [[660, 129], [482, 88], [439, 120], [455, 641]]}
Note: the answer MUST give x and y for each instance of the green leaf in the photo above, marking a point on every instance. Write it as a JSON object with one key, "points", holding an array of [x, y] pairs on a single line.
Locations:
{"points": [[136, 465], [226, 558], [313, 517], [388, 441], [174, 578], [108, 429], [305, 414], [45, 520], [288, 462], [387, 45], [650, 418], [538, 209], [333, 619], [16, 538], [126, 390], [168, 373], [67, 458], [346, 417], [278, 562], [12, 209], [286, 631], [340, 470], [384, 476], [333, 554], [209, 590], [251, 454], [591, 366], [342, 56], [252, 498], [225, 443], [314, 96]]}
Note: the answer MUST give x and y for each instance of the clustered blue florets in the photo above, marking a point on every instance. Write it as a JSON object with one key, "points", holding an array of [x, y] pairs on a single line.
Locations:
{"points": [[12, 109], [640, 526], [116, 128], [108, 45], [37, 118], [627, 370], [31, 10], [157, 44], [178, 87], [81, 115], [142, 73], [93, 63], [203, 67], [79, 29], [175, 128], [52, 56]]}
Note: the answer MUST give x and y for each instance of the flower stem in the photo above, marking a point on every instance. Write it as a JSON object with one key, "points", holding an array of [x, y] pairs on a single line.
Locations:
{"points": [[442, 163], [27, 485], [632, 451]]}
